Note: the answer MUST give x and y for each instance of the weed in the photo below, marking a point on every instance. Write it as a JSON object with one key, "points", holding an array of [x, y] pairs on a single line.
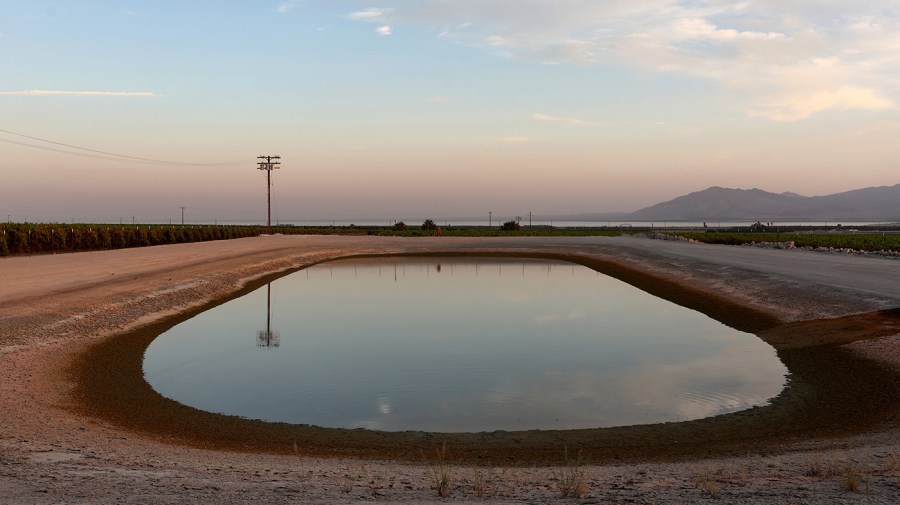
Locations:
{"points": [[439, 471], [851, 477], [892, 462], [484, 482], [346, 484], [707, 483], [571, 481], [817, 466], [480, 484]]}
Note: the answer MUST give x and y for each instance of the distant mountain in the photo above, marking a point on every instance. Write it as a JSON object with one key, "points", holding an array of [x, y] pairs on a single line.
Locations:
{"points": [[868, 204]]}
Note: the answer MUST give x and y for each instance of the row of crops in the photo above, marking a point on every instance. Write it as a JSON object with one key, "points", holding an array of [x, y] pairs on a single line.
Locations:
{"points": [[856, 241], [42, 238], [38, 238]]}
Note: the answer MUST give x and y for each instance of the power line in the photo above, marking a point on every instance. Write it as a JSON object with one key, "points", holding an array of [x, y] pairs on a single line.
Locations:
{"points": [[85, 155], [115, 156]]}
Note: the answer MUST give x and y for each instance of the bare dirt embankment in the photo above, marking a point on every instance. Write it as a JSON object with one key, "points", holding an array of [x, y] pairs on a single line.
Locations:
{"points": [[77, 423]]}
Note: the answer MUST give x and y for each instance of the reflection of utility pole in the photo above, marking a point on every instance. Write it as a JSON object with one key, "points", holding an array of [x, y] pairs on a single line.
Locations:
{"points": [[268, 166], [267, 337]]}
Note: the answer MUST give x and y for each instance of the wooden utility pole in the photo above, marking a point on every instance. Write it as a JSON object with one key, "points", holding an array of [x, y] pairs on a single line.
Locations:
{"points": [[268, 165]]}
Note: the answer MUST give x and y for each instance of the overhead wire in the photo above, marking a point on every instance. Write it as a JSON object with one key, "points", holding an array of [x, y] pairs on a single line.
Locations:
{"points": [[107, 155]]}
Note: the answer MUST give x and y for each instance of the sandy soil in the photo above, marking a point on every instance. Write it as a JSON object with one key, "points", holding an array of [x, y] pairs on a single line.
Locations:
{"points": [[77, 426]]}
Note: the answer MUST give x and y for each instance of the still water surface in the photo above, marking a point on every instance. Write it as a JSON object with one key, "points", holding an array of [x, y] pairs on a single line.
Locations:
{"points": [[460, 345]]}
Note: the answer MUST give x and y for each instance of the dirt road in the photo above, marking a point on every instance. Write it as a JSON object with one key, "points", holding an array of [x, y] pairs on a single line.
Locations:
{"points": [[77, 425]]}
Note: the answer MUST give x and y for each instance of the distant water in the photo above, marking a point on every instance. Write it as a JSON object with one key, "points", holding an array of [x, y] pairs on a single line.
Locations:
{"points": [[456, 345], [662, 224]]}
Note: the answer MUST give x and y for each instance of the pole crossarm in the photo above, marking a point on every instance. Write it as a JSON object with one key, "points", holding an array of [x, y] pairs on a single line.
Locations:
{"points": [[268, 164]]}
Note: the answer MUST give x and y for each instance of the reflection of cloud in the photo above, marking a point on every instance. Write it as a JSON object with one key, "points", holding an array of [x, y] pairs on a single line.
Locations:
{"points": [[740, 375], [384, 406], [545, 318], [576, 314]]}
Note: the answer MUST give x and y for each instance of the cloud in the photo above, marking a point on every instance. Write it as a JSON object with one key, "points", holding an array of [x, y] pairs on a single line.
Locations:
{"points": [[372, 14], [516, 140], [375, 15], [40, 92], [789, 60], [555, 119], [439, 99], [794, 107], [288, 6]]}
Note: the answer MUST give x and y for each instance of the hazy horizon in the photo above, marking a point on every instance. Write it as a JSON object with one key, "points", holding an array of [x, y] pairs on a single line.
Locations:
{"points": [[436, 108]]}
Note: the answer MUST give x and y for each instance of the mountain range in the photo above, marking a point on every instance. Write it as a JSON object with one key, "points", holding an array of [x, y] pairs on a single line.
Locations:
{"points": [[879, 204]]}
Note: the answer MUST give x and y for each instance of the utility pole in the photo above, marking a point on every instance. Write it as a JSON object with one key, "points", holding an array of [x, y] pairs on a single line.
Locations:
{"points": [[490, 220], [182, 216], [268, 165], [529, 220]]}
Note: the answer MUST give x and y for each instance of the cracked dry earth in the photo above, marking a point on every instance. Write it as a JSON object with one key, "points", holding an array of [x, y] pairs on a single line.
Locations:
{"points": [[67, 321]]}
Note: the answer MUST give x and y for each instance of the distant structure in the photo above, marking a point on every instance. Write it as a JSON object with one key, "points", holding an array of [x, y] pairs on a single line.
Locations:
{"points": [[268, 165]]}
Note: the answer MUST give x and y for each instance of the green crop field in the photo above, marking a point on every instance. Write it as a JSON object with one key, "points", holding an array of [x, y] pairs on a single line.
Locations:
{"points": [[857, 241], [42, 238]]}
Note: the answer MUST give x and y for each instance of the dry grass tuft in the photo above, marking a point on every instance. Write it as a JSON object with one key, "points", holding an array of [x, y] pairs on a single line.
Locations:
{"points": [[439, 471], [706, 482], [484, 482], [821, 467], [892, 463], [570, 479], [851, 477], [346, 484]]}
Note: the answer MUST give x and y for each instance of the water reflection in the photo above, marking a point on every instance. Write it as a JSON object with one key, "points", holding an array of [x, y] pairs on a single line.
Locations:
{"points": [[457, 344], [268, 338]]}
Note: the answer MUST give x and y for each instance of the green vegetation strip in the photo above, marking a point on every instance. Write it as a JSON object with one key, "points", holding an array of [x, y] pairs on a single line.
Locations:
{"points": [[43, 238], [855, 241]]}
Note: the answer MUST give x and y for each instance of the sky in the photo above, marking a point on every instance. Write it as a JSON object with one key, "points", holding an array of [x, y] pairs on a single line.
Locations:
{"points": [[410, 109]]}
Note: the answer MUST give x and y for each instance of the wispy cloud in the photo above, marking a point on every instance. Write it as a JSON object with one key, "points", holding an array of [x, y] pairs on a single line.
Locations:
{"points": [[439, 99], [373, 14], [39, 92], [516, 140], [556, 119], [285, 7], [789, 60]]}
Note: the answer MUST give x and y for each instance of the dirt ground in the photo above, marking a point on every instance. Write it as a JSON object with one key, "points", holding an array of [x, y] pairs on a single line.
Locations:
{"points": [[79, 425]]}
